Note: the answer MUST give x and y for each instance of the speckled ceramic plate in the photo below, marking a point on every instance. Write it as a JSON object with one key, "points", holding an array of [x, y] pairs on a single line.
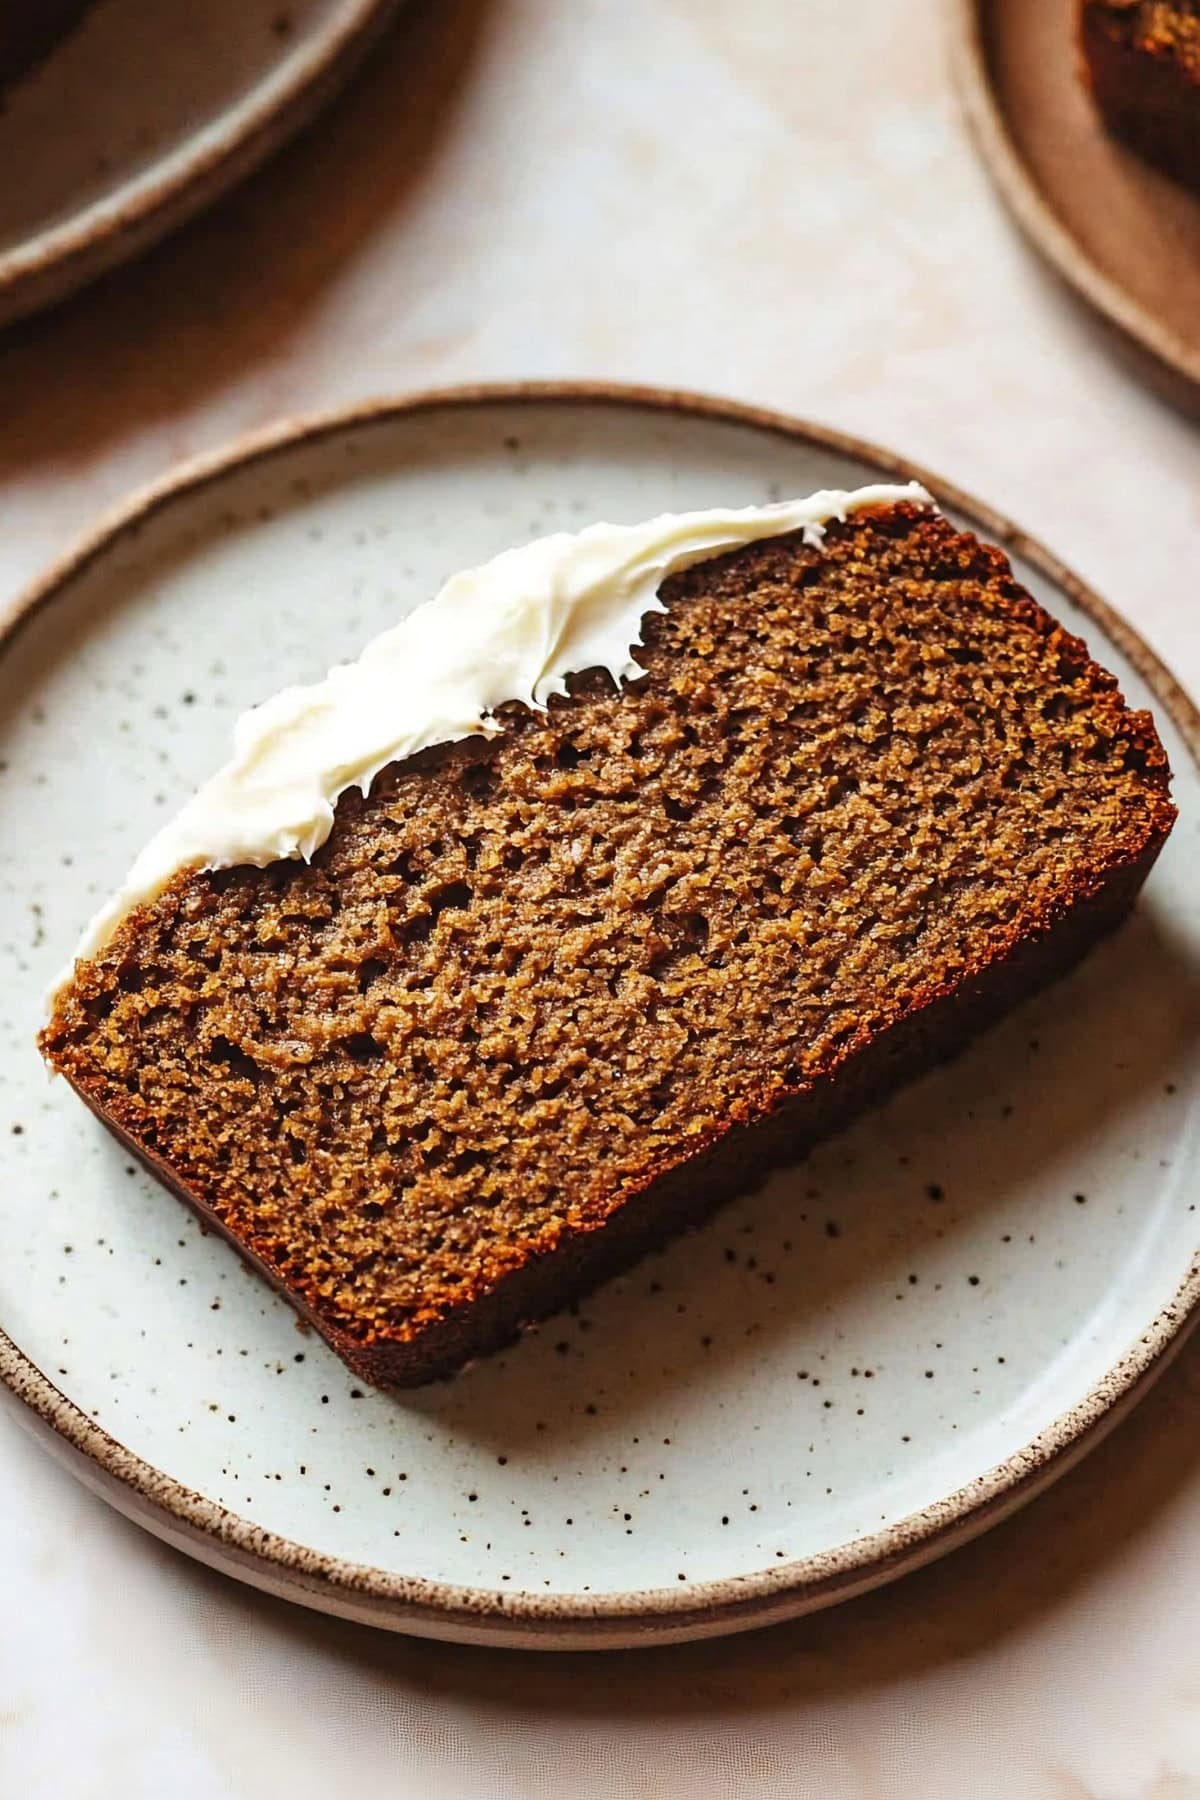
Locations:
{"points": [[1126, 238], [863, 1363], [144, 112]]}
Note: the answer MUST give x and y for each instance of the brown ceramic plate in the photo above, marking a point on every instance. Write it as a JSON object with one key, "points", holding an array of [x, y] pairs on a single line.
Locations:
{"points": [[145, 112], [867, 1361], [1125, 237]]}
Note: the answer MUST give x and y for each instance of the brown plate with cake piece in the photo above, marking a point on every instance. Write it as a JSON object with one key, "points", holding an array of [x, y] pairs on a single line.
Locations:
{"points": [[1087, 114], [551, 990]]}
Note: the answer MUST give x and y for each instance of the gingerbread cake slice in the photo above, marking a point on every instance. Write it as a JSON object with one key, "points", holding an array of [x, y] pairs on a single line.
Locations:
{"points": [[1142, 59], [621, 870]]}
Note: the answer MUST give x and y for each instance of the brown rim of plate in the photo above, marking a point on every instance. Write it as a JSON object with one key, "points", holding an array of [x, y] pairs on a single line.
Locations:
{"points": [[591, 1621], [52, 263], [1171, 365]]}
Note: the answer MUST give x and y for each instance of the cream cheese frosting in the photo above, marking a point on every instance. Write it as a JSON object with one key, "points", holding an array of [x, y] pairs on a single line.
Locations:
{"points": [[512, 629]]}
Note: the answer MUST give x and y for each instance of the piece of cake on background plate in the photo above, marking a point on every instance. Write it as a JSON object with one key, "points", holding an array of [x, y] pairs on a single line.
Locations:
{"points": [[1142, 59]]}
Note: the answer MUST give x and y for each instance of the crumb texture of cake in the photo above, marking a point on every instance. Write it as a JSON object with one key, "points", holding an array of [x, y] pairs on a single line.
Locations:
{"points": [[1142, 59], [543, 997]]}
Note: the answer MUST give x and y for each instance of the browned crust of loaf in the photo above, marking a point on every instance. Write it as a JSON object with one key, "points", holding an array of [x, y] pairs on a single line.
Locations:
{"points": [[1142, 61], [766, 1127], [681, 1198]]}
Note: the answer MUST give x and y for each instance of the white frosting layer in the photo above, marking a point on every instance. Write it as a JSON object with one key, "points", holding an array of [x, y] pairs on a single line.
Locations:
{"points": [[513, 629]]}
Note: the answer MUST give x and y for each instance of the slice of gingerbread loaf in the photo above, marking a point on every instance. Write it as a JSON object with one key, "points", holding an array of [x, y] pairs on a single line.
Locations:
{"points": [[620, 871], [1142, 59]]}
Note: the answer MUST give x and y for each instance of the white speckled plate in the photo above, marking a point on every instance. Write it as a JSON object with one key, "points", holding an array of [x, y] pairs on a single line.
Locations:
{"points": [[144, 112], [845, 1373]]}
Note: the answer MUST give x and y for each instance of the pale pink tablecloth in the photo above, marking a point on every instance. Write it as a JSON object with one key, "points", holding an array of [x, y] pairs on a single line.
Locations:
{"points": [[776, 200]]}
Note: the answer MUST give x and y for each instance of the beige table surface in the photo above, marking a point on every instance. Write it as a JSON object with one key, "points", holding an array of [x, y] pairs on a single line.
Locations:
{"points": [[774, 199]]}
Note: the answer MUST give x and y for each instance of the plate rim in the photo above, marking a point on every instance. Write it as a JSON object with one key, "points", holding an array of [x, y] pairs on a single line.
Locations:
{"points": [[52, 262], [1172, 365], [422, 1606]]}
